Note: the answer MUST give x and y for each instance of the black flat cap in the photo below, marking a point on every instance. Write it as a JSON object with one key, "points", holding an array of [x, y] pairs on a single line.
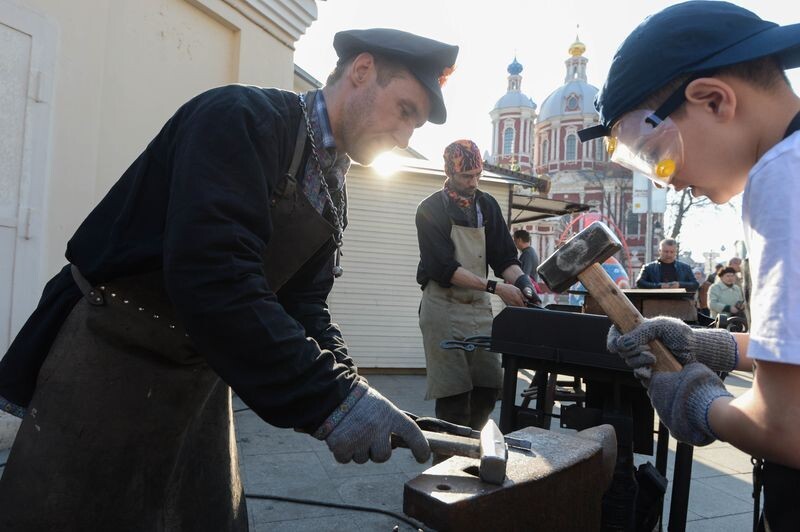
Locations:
{"points": [[428, 60]]}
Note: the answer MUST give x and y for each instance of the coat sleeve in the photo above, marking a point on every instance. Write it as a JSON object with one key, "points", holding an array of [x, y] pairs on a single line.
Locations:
{"points": [[437, 253], [686, 279], [715, 301], [305, 297], [645, 279], [225, 161]]}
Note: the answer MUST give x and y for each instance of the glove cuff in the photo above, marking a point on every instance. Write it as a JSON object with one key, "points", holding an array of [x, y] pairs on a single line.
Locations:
{"points": [[699, 404], [359, 391], [716, 348]]}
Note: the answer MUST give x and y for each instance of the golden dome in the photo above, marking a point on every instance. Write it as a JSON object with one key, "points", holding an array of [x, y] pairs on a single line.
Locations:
{"points": [[577, 48]]}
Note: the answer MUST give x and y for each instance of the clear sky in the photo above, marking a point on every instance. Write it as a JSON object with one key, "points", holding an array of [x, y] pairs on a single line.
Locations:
{"points": [[539, 33]]}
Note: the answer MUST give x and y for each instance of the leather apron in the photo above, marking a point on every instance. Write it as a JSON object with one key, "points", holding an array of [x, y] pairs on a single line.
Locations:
{"points": [[129, 428], [456, 313]]}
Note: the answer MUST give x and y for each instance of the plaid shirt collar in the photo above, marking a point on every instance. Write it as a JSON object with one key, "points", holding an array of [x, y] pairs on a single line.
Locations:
{"points": [[321, 114]]}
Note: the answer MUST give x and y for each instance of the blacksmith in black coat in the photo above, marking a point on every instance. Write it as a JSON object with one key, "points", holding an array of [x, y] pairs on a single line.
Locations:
{"points": [[208, 264]]}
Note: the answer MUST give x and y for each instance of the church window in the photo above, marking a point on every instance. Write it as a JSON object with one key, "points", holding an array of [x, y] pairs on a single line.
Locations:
{"points": [[572, 144], [572, 103], [545, 157], [632, 224], [508, 140], [599, 150]]}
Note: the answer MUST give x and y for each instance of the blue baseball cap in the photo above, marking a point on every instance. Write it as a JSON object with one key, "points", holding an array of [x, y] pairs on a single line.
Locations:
{"points": [[428, 60], [688, 38]]}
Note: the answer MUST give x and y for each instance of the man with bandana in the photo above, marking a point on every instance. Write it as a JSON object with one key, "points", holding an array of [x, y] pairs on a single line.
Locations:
{"points": [[208, 265], [461, 232]]}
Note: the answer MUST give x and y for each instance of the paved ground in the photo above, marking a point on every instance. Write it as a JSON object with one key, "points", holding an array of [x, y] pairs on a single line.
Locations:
{"points": [[281, 462]]}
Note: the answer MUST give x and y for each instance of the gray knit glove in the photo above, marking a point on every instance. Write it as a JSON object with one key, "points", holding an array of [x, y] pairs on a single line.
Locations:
{"points": [[682, 400], [360, 429], [716, 348]]}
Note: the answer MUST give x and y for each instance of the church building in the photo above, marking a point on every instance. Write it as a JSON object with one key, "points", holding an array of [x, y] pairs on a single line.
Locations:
{"points": [[543, 141]]}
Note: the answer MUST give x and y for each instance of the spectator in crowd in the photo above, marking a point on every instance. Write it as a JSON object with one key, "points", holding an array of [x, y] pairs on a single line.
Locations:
{"points": [[667, 271], [702, 292], [725, 296], [736, 264], [712, 277], [527, 256]]}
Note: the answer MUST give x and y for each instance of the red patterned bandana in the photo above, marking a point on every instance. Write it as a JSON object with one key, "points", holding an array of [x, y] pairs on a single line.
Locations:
{"points": [[462, 156], [459, 157]]}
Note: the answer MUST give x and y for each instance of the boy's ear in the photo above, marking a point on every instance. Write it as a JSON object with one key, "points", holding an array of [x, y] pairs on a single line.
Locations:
{"points": [[714, 96]]}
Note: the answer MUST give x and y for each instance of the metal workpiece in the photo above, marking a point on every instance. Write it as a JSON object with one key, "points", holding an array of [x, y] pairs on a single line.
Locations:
{"points": [[557, 485]]}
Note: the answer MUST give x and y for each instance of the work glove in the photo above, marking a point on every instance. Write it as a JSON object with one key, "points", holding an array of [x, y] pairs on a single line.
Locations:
{"points": [[682, 400], [525, 285], [360, 429], [716, 348]]}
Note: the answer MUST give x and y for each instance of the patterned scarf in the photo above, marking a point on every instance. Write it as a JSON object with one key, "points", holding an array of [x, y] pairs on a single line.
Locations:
{"points": [[333, 168], [465, 202]]}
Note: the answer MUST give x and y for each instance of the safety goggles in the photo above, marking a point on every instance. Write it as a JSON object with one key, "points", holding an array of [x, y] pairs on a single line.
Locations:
{"points": [[649, 142], [644, 143]]}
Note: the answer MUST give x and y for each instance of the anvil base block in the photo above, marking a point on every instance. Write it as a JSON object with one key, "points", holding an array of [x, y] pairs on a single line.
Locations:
{"points": [[558, 487]]}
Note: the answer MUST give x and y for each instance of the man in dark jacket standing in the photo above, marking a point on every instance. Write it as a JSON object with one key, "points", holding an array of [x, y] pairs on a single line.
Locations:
{"points": [[208, 265], [528, 258], [667, 271]]}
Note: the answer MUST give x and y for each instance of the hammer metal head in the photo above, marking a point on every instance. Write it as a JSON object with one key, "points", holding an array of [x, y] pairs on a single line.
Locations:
{"points": [[494, 454], [596, 243]]}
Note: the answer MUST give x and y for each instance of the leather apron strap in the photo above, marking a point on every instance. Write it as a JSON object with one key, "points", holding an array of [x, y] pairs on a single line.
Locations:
{"points": [[298, 230]]}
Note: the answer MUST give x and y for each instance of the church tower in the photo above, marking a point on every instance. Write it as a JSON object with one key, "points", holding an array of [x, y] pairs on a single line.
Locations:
{"points": [[513, 118], [544, 141]]}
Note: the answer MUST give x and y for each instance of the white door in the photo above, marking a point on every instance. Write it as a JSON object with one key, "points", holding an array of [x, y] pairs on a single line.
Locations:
{"points": [[25, 67]]}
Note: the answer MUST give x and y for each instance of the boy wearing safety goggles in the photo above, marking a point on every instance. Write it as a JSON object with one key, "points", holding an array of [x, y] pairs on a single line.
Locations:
{"points": [[696, 97]]}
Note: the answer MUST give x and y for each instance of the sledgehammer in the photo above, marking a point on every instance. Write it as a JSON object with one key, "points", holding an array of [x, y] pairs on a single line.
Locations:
{"points": [[581, 259]]}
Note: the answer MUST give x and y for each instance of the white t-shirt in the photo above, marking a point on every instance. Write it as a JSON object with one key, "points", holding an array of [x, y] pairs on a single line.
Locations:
{"points": [[770, 210]]}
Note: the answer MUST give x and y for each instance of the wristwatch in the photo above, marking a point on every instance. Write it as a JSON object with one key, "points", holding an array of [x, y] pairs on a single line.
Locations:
{"points": [[491, 286]]}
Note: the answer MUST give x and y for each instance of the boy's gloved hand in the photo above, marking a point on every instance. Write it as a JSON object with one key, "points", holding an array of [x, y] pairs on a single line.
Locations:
{"points": [[362, 427], [682, 400], [716, 348]]}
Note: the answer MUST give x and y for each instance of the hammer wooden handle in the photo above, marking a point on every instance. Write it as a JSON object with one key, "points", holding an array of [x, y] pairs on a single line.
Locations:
{"points": [[452, 445], [622, 312]]}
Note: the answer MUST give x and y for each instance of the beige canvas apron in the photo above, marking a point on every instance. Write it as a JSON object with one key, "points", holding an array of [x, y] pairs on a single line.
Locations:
{"points": [[453, 314]]}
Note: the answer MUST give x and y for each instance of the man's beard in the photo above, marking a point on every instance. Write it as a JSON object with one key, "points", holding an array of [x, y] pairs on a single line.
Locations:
{"points": [[356, 118]]}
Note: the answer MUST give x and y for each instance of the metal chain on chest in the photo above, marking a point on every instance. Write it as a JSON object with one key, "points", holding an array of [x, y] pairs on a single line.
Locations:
{"points": [[338, 211]]}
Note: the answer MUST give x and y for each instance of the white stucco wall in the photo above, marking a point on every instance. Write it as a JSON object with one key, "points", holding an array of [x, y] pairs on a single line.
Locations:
{"points": [[122, 68], [104, 77]]}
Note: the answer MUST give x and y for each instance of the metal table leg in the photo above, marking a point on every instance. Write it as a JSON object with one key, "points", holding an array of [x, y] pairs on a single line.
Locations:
{"points": [[508, 411], [681, 480], [662, 448]]}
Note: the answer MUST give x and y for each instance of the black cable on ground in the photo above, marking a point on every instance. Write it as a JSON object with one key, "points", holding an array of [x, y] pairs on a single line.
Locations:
{"points": [[355, 507], [241, 410]]}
